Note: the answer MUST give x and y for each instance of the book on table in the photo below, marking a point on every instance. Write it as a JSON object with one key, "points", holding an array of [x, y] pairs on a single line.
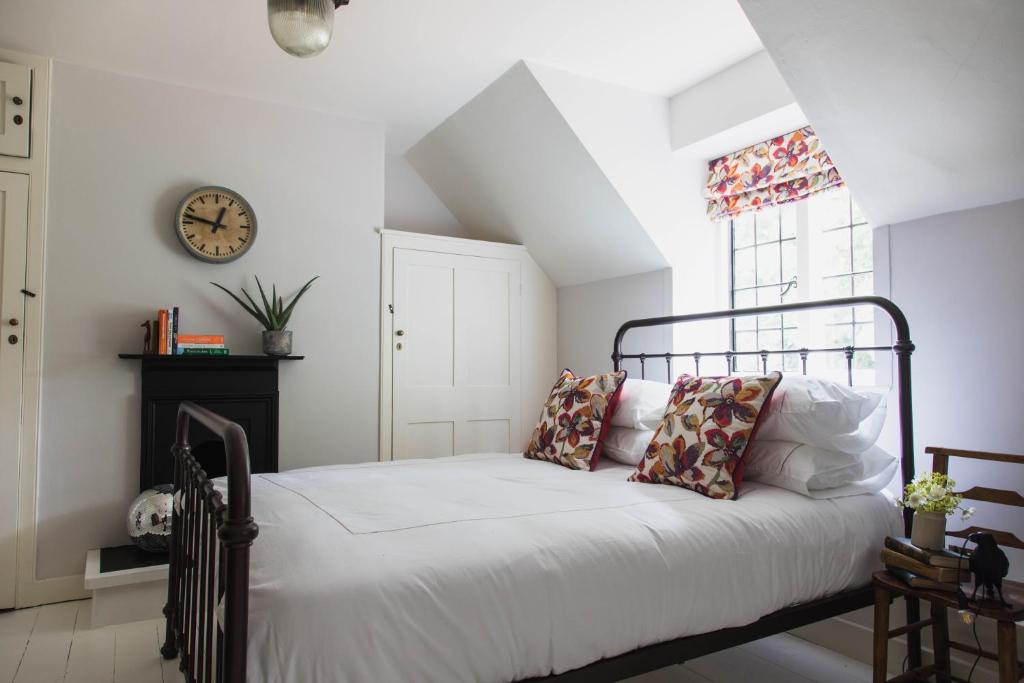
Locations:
{"points": [[915, 581], [934, 558], [891, 558]]}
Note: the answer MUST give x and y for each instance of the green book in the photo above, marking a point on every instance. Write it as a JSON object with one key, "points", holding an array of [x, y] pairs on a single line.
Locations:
{"points": [[204, 352]]}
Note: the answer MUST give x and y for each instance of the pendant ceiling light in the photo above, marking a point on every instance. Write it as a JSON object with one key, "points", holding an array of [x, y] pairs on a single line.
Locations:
{"points": [[302, 28]]}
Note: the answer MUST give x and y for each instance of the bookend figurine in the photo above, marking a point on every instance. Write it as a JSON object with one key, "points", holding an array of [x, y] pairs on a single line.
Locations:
{"points": [[148, 344], [989, 565]]}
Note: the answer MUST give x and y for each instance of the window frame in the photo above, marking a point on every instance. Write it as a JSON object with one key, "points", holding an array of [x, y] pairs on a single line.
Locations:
{"points": [[810, 329]]}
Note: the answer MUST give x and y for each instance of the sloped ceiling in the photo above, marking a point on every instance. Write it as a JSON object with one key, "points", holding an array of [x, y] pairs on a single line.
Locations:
{"points": [[510, 168], [919, 102]]}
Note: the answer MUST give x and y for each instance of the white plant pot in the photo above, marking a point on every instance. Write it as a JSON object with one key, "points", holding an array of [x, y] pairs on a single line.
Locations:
{"points": [[929, 530]]}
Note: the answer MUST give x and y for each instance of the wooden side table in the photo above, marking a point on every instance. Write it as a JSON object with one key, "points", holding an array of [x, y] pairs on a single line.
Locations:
{"points": [[887, 586]]}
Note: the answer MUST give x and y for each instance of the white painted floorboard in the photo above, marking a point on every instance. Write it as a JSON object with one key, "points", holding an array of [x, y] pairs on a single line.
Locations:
{"points": [[56, 644]]}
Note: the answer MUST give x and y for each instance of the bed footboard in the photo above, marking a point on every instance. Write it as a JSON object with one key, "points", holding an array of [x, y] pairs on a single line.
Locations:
{"points": [[207, 606]]}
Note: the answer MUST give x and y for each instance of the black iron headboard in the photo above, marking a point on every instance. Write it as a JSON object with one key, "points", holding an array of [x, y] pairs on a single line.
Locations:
{"points": [[902, 347]]}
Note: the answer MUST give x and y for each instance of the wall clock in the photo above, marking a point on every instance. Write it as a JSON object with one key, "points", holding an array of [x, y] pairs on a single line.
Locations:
{"points": [[215, 224]]}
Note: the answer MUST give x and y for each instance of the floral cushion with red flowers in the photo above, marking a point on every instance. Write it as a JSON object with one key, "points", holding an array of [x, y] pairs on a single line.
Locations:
{"points": [[576, 418], [708, 424]]}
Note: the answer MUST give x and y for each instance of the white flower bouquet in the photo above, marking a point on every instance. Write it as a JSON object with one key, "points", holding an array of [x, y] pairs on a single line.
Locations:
{"points": [[933, 492]]}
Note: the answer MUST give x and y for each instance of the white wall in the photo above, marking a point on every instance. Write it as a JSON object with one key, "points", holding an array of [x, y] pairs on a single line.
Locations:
{"points": [[410, 204], [540, 345], [627, 133], [734, 107], [589, 316], [511, 169], [123, 152], [958, 278]]}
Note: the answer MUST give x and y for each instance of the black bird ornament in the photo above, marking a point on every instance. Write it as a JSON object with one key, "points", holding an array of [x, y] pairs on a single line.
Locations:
{"points": [[989, 565]]}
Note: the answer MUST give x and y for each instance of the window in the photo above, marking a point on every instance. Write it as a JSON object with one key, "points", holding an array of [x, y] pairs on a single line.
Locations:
{"points": [[819, 248]]}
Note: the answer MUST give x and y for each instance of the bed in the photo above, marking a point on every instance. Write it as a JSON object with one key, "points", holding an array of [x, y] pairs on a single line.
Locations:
{"points": [[492, 567]]}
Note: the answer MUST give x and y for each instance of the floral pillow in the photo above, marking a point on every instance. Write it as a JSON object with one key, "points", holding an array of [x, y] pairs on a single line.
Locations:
{"points": [[576, 419], [708, 424]]}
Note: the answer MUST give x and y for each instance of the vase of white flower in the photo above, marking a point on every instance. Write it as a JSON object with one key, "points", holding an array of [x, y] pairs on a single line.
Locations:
{"points": [[932, 498]]}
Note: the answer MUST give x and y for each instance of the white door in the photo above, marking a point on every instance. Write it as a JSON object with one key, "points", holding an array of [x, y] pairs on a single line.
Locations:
{"points": [[455, 354], [13, 236]]}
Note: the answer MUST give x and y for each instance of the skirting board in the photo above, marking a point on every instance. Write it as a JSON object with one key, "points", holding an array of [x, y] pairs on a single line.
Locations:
{"points": [[47, 591], [851, 635]]}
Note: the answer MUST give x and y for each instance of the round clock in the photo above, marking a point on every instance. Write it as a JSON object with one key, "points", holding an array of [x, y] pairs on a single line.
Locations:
{"points": [[215, 224]]}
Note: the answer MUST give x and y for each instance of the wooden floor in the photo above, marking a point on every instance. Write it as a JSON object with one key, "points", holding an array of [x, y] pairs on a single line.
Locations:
{"points": [[56, 643]]}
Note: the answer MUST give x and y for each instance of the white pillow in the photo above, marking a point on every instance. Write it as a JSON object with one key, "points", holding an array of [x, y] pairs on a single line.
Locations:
{"points": [[818, 472], [626, 445], [641, 404], [823, 413]]}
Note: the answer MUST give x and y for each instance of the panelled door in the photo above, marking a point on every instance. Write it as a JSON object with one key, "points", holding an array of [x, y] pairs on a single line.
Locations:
{"points": [[455, 354], [13, 239]]}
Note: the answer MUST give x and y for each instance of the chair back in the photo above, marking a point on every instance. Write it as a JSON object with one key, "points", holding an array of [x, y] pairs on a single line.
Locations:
{"points": [[940, 463]]}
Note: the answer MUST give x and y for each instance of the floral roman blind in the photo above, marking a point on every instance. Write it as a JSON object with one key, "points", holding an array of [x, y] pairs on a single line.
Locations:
{"points": [[784, 169]]}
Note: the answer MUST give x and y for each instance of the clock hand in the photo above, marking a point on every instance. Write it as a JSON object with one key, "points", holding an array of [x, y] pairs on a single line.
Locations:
{"points": [[201, 220], [220, 215]]}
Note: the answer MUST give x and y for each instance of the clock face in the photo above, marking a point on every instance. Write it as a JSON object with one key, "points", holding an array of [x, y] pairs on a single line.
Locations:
{"points": [[215, 224]]}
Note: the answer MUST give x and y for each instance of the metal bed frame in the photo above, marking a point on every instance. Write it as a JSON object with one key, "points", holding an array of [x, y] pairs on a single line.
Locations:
{"points": [[210, 539]]}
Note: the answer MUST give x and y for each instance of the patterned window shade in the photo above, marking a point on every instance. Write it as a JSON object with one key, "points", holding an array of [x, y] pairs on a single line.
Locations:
{"points": [[784, 169]]}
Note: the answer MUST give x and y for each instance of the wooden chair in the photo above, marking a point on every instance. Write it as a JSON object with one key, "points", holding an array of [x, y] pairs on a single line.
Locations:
{"points": [[886, 586]]}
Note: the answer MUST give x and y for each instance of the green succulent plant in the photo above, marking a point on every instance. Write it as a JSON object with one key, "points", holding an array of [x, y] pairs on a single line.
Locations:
{"points": [[273, 314]]}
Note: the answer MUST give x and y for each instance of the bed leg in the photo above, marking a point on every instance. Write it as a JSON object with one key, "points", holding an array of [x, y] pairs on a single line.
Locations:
{"points": [[168, 649]]}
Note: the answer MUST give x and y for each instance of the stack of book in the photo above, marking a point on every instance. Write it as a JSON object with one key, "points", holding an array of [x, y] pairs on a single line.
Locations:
{"points": [[942, 570], [201, 345], [170, 342]]}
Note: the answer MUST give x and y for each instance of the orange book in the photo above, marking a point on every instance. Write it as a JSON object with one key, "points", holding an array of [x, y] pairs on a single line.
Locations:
{"points": [[200, 338], [162, 338]]}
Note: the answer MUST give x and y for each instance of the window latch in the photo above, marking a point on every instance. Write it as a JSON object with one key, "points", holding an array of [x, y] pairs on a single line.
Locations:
{"points": [[789, 285]]}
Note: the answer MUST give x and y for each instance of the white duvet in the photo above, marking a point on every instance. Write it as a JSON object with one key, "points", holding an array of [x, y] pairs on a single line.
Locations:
{"points": [[497, 568]]}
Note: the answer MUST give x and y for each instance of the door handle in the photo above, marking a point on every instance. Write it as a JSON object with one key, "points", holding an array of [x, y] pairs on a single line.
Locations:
{"points": [[399, 333], [13, 322], [13, 339]]}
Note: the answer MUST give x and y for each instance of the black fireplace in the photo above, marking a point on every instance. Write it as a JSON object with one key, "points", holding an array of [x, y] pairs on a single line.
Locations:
{"points": [[241, 388]]}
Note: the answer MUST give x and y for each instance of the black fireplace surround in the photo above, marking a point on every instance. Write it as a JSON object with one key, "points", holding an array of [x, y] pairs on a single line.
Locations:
{"points": [[241, 388]]}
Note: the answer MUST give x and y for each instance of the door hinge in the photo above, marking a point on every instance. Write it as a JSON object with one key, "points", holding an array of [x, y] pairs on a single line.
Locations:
{"points": [[391, 309]]}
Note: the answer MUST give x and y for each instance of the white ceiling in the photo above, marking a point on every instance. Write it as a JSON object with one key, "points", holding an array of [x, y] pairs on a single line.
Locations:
{"points": [[409, 63], [919, 102]]}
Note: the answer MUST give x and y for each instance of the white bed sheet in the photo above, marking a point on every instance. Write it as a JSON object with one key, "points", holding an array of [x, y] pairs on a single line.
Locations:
{"points": [[497, 568]]}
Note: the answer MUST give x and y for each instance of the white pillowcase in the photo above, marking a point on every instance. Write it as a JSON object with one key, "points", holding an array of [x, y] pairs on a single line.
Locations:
{"points": [[641, 404], [818, 472], [823, 413], [626, 445]]}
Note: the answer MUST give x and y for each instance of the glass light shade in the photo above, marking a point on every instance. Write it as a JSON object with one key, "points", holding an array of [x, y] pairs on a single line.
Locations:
{"points": [[301, 28]]}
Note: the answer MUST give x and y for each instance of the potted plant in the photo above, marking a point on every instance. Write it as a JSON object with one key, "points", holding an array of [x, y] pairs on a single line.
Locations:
{"points": [[932, 499], [273, 315]]}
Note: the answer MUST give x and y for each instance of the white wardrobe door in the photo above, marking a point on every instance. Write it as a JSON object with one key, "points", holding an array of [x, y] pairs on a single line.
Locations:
{"points": [[456, 354], [13, 236]]}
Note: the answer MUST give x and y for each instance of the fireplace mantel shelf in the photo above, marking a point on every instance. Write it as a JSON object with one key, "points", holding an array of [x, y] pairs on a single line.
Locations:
{"points": [[213, 359]]}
